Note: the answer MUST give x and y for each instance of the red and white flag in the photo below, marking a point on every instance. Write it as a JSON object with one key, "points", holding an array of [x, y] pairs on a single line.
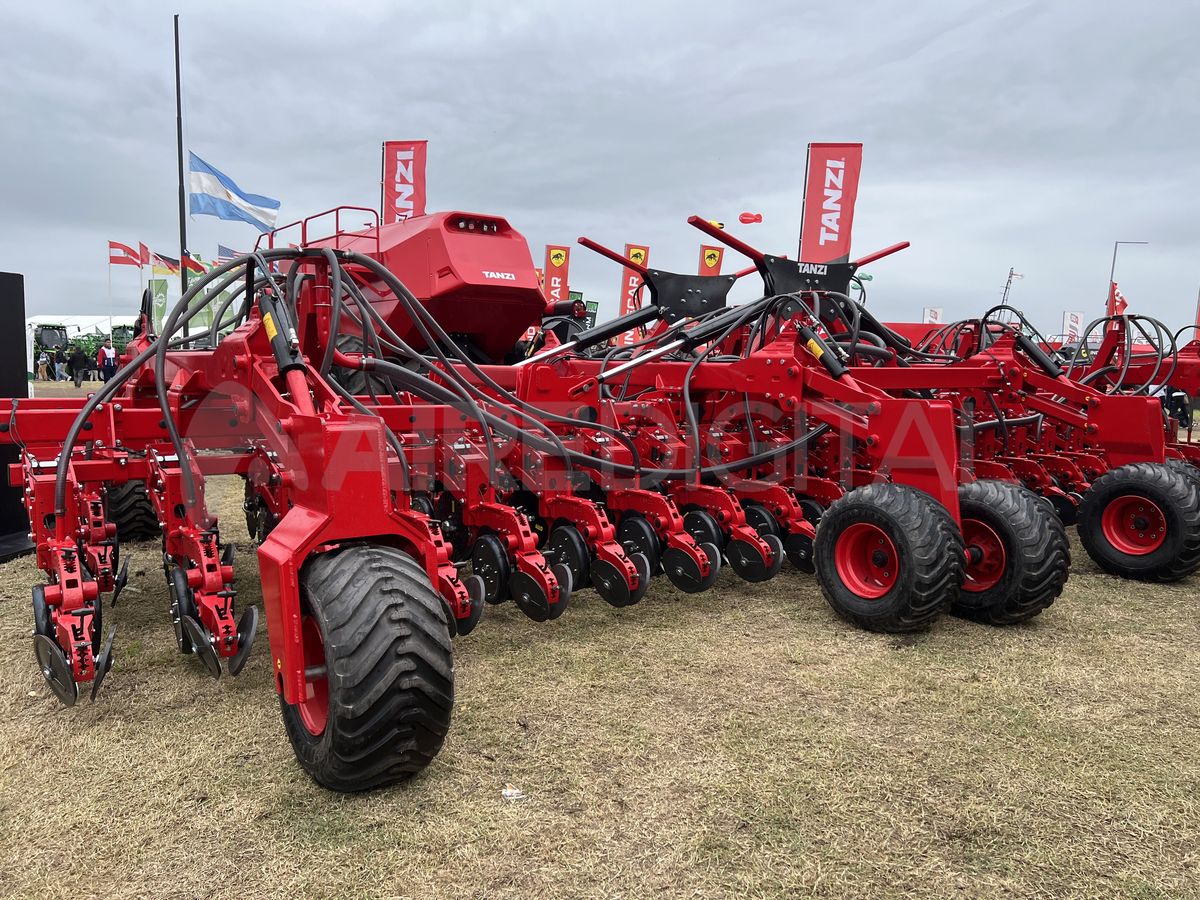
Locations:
{"points": [[1116, 301], [830, 190], [403, 180], [1072, 327], [123, 255]]}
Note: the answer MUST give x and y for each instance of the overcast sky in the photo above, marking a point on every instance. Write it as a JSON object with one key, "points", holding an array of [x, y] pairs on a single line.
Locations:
{"points": [[996, 134]]}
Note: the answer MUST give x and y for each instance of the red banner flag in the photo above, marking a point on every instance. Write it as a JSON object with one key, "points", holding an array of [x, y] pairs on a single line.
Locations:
{"points": [[403, 180], [558, 265], [1116, 301], [710, 260], [144, 254], [830, 189], [123, 255], [631, 281]]}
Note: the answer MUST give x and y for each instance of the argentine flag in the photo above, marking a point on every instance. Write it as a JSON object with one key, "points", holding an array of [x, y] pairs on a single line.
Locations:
{"points": [[214, 193]]}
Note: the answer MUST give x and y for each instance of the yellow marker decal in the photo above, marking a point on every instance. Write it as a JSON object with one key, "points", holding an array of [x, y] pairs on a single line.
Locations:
{"points": [[814, 348], [269, 324]]}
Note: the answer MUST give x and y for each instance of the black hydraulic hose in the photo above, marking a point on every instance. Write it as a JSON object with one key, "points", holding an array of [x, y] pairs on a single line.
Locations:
{"points": [[1127, 360], [370, 337], [853, 315], [862, 349], [169, 328], [219, 323], [476, 412], [999, 418], [110, 387], [1031, 420], [411, 305], [335, 310], [405, 471], [1179, 333], [115, 383], [752, 310], [437, 393], [531, 413], [214, 330], [1160, 331]]}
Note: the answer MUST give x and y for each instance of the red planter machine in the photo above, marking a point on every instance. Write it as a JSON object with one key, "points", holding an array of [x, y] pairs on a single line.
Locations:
{"points": [[402, 472]]}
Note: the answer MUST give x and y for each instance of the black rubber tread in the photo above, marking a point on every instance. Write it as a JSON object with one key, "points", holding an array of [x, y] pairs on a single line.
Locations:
{"points": [[391, 669], [355, 380], [129, 507], [1036, 547], [1175, 492], [1182, 465], [926, 538]]}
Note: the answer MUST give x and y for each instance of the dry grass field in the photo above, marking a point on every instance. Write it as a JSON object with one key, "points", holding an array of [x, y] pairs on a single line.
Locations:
{"points": [[740, 743]]}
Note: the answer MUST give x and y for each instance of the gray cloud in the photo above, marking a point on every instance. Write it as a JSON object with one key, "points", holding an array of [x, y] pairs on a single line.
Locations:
{"points": [[1029, 135]]}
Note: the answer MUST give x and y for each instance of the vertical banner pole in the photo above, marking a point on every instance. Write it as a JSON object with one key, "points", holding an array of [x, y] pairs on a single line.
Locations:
{"points": [[183, 253], [110, 308]]}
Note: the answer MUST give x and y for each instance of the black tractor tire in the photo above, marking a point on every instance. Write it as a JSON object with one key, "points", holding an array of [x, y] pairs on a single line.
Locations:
{"points": [[129, 507], [356, 381], [390, 669], [1182, 465], [922, 541], [1174, 498], [1034, 559]]}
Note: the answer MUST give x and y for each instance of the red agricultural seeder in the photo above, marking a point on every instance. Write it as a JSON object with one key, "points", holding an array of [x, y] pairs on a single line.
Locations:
{"points": [[404, 467], [1079, 427]]}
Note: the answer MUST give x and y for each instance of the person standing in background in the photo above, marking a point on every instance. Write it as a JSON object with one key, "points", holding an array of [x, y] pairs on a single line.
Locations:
{"points": [[106, 360], [79, 365], [60, 365], [43, 366]]}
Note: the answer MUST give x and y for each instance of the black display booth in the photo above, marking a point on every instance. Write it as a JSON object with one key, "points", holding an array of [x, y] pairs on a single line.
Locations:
{"points": [[14, 524]]}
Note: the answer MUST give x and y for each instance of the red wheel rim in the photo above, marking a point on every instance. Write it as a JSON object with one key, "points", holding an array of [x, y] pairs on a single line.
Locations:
{"points": [[866, 560], [986, 558], [314, 709], [1134, 525]]}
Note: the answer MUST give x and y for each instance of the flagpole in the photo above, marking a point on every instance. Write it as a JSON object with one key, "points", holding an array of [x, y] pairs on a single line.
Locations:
{"points": [[183, 254], [110, 293]]}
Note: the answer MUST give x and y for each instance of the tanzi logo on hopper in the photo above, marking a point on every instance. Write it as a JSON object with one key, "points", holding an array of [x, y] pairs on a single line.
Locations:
{"points": [[500, 276]]}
